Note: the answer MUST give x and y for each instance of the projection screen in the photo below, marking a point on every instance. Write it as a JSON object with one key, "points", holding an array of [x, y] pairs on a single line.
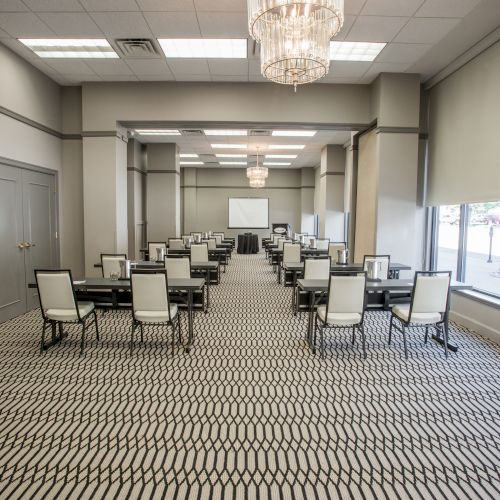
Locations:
{"points": [[248, 213]]}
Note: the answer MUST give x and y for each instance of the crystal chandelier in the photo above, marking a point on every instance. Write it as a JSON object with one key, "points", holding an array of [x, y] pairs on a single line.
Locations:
{"points": [[257, 175], [295, 37]]}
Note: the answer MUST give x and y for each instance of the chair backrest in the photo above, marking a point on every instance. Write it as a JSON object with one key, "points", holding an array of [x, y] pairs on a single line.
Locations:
{"points": [[310, 240], [384, 264], [150, 291], [218, 239], [317, 269], [281, 242], [346, 294], [322, 244], [199, 252], [175, 244], [430, 292], [178, 268], [212, 244], [110, 263], [153, 245], [219, 233], [55, 290], [291, 252], [334, 247]]}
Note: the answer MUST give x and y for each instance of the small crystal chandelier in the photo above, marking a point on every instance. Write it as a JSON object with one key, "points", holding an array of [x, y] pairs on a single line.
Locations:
{"points": [[295, 37], [257, 175]]}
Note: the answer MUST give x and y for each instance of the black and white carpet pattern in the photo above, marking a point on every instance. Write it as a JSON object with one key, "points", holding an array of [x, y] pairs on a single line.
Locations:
{"points": [[250, 412]]}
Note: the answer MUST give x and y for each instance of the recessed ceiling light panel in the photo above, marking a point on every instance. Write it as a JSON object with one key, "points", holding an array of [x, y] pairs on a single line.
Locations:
{"points": [[276, 163], [233, 155], [191, 163], [233, 162], [282, 157], [287, 146], [188, 155], [229, 146], [229, 48], [225, 132], [355, 51], [85, 48], [294, 133], [158, 132]]}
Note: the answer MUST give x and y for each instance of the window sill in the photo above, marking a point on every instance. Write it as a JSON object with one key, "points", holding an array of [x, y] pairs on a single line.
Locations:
{"points": [[483, 298]]}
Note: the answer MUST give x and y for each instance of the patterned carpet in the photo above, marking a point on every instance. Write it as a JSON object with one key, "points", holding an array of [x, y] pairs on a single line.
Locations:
{"points": [[250, 412]]}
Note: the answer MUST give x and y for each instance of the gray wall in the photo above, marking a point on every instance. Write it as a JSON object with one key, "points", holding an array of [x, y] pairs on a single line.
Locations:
{"points": [[209, 208]]}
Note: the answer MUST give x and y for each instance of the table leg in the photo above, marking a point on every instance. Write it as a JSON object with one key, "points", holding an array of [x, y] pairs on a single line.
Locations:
{"points": [[208, 290], [294, 284], [190, 320], [279, 269], [311, 318]]}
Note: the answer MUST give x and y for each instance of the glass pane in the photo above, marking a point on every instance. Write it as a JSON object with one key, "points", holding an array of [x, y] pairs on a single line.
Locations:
{"points": [[447, 241], [482, 269]]}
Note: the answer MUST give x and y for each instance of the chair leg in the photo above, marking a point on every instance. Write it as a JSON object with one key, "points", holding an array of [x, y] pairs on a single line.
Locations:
{"points": [[132, 336], [390, 329], [82, 344], [353, 334], [363, 339], [445, 338], [172, 325], [60, 331], [179, 323], [314, 335], [426, 334], [142, 333], [96, 326], [322, 342], [403, 329], [42, 342]]}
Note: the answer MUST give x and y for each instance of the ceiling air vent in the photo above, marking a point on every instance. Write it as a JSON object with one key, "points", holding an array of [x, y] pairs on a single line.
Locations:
{"points": [[192, 131], [137, 47], [260, 133]]}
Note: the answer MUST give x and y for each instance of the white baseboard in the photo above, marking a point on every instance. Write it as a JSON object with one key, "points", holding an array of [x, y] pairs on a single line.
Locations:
{"points": [[476, 326]]}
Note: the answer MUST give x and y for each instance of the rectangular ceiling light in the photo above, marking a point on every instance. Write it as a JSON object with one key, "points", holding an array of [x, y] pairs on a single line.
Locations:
{"points": [[355, 51], [234, 155], [191, 163], [188, 155], [233, 162], [158, 132], [282, 157], [229, 146], [287, 146], [228, 48], [86, 48], [294, 133], [276, 163], [225, 132]]}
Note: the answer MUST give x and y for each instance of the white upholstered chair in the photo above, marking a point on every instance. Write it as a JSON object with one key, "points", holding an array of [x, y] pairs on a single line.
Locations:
{"points": [[212, 244], [333, 248], [428, 307], [176, 244], [153, 245], [110, 263], [218, 239], [317, 269], [59, 305], [322, 244], [383, 261], [151, 304], [344, 308], [178, 268], [199, 252]]}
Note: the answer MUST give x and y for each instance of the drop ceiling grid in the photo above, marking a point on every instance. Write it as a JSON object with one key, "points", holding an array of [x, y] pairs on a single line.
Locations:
{"points": [[411, 28]]}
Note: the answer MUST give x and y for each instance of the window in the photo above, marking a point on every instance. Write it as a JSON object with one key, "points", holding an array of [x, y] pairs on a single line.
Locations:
{"points": [[466, 241]]}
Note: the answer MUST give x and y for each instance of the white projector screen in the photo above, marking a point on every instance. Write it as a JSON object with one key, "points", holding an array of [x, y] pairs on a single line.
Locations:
{"points": [[248, 213]]}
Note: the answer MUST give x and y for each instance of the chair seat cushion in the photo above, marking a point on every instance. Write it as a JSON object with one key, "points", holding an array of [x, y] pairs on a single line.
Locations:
{"points": [[339, 319], [85, 309], [156, 316], [402, 311]]}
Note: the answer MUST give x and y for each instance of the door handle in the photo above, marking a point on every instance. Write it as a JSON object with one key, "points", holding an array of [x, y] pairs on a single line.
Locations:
{"points": [[28, 244], [20, 246]]}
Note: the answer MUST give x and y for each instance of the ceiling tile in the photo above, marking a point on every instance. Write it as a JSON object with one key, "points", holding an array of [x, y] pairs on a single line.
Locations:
{"points": [[70, 66], [348, 69], [110, 5], [4, 34], [24, 25], [119, 78], [54, 5], [20, 49], [228, 66], [391, 7], [188, 67], [221, 5], [109, 67], [83, 78], [173, 24], [122, 24], [403, 52], [446, 8], [230, 78], [149, 67], [166, 5], [353, 6], [223, 24], [75, 24], [375, 28], [12, 6], [348, 22], [426, 30], [192, 78]]}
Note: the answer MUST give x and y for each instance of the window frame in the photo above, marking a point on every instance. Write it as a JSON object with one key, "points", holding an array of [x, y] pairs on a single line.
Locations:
{"points": [[462, 245]]}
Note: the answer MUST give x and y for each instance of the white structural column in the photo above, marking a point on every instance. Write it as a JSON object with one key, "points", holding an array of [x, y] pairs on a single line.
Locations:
{"points": [[104, 197], [307, 200], [190, 200], [163, 192], [331, 193]]}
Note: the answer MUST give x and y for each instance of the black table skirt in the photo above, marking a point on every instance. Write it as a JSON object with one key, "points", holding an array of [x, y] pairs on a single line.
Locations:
{"points": [[248, 243]]}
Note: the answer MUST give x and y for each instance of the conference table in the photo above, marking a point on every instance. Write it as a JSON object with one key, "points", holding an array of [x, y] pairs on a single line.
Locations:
{"points": [[315, 286], [190, 285]]}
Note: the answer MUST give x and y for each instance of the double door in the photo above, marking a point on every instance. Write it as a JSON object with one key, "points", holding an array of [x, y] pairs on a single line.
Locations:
{"points": [[28, 236]]}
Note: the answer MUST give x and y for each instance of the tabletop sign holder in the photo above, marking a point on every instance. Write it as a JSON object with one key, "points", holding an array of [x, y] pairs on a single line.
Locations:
{"points": [[281, 228]]}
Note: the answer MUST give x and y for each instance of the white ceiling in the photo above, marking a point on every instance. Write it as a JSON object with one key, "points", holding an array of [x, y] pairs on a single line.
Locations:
{"points": [[423, 36], [200, 144]]}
